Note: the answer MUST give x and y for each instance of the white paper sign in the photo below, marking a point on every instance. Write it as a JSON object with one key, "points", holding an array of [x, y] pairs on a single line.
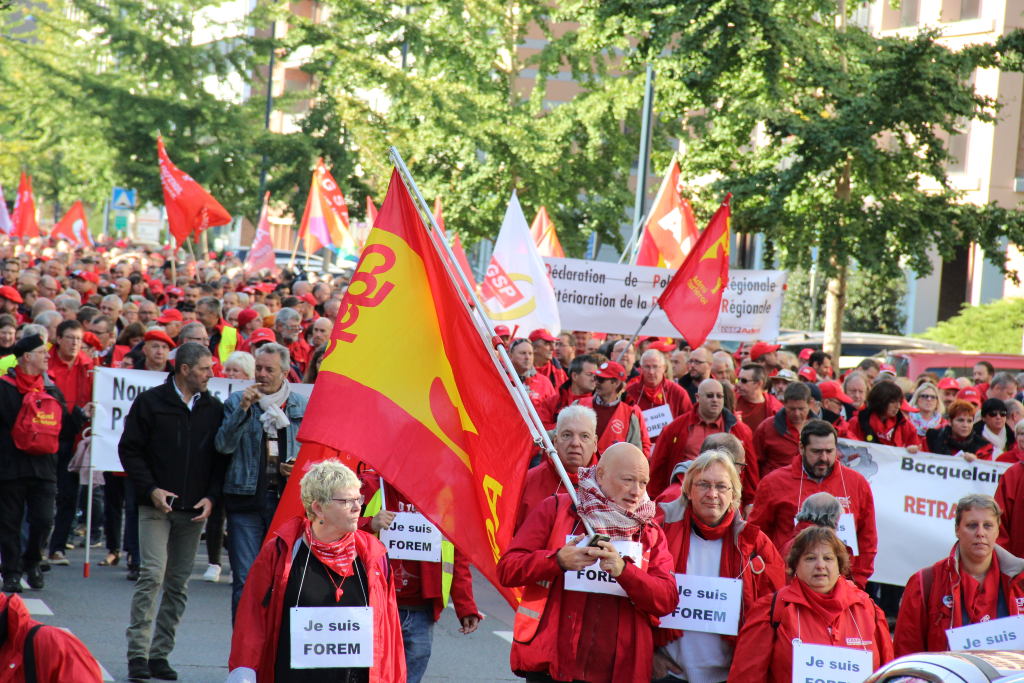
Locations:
{"points": [[828, 664], [706, 603], [847, 532], [657, 419], [412, 537], [332, 637], [592, 580], [998, 634]]}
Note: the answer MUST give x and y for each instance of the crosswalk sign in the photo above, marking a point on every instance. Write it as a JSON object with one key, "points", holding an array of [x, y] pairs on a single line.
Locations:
{"points": [[124, 198]]}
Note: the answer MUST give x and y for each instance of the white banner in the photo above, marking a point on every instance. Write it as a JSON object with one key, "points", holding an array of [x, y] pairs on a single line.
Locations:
{"points": [[612, 297], [114, 390], [915, 502]]}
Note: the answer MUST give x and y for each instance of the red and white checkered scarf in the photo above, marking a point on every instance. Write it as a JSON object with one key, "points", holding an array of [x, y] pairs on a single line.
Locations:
{"points": [[606, 517]]}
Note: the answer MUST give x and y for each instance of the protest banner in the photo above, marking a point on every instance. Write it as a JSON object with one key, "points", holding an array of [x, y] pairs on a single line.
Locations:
{"points": [[614, 298], [114, 390], [915, 502]]}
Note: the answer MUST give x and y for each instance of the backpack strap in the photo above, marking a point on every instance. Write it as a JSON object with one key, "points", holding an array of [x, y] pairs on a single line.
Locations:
{"points": [[29, 656], [926, 578], [771, 615]]}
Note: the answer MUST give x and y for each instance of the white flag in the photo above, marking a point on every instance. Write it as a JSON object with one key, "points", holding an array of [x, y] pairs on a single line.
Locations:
{"points": [[5, 218], [516, 289]]}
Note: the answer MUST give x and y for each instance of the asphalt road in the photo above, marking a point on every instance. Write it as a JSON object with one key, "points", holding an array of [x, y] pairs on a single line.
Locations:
{"points": [[96, 610]]}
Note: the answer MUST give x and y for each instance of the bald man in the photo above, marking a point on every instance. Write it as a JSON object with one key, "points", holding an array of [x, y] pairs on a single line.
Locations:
{"points": [[655, 390], [698, 369], [626, 581]]}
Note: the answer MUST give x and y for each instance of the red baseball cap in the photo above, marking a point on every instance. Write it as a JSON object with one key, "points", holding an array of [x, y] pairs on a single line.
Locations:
{"points": [[663, 347], [885, 367], [806, 354], [159, 335], [834, 390], [263, 334], [7, 292], [948, 383], [502, 331], [308, 298], [969, 394], [611, 370], [175, 291], [909, 408], [156, 286], [246, 316], [86, 275], [541, 333], [92, 340], [808, 373], [265, 287], [171, 315], [761, 348]]}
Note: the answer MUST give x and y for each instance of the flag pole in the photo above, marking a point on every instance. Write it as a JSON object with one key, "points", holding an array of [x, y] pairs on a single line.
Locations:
{"points": [[518, 390], [291, 261]]}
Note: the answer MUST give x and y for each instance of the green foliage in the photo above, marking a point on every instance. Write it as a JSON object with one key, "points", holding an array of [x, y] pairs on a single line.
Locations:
{"points": [[992, 328], [873, 303]]}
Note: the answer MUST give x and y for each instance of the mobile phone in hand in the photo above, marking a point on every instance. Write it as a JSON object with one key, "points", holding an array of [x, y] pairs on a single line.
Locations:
{"points": [[597, 538]]}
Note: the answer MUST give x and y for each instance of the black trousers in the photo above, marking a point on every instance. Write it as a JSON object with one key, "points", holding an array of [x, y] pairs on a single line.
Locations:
{"points": [[215, 533], [113, 510], [67, 502], [17, 495]]}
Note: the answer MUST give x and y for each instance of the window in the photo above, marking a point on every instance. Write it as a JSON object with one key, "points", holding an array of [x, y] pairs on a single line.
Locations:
{"points": [[909, 12], [958, 147], [970, 9]]}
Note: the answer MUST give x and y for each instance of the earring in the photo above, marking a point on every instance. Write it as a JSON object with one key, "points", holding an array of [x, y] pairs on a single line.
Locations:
{"points": [[321, 521]]}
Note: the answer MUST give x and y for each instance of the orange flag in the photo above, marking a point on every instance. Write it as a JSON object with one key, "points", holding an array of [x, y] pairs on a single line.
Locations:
{"points": [[440, 425], [189, 207], [25, 225], [325, 221], [460, 253], [671, 230], [692, 299], [73, 228], [544, 235]]}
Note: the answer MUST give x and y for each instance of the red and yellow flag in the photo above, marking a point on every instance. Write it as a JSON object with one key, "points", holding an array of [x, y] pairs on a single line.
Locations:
{"points": [[408, 387], [671, 230], [544, 235], [692, 299], [72, 227], [325, 220]]}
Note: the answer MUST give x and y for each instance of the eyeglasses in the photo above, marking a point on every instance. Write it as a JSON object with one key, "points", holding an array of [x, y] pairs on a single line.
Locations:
{"points": [[696, 362], [350, 502], [996, 413], [928, 397], [704, 487]]}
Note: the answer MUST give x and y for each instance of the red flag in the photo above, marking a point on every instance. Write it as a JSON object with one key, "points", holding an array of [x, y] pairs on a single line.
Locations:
{"points": [[261, 253], [671, 230], [692, 299], [25, 225], [544, 235], [460, 253], [189, 207], [371, 212], [73, 228], [441, 426]]}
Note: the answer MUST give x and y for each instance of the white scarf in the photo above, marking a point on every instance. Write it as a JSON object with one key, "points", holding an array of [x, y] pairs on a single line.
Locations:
{"points": [[273, 418], [998, 441]]}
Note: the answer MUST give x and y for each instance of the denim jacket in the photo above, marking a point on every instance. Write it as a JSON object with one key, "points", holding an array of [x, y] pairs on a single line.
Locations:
{"points": [[241, 437]]}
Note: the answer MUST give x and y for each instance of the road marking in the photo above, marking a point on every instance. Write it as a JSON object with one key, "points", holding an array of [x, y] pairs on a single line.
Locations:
{"points": [[505, 635], [37, 606]]}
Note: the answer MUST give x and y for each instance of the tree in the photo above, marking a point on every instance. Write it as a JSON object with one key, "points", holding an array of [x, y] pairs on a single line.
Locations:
{"points": [[992, 328], [850, 129], [873, 303]]}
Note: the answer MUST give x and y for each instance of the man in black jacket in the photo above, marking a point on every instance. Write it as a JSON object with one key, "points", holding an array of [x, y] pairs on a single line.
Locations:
{"points": [[28, 481], [167, 450]]}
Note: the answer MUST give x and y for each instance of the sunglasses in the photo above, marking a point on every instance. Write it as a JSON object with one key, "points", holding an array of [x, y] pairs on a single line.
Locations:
{"points": [[928, 397], [744, 380], [996, 413]]}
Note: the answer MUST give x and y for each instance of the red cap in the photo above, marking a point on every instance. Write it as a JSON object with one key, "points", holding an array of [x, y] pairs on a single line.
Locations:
{"points": [[909, 408], [159, 335], [171, 315], [808, 373], [7, 292], [175, 291], [969, 394], [309, 299], [86, 275], [948, 383], [885, 367], [502, 331], [156, 286], [247, 290], [263, 334], [246, 316], [806, 354], [541, 333], [92, 340], [650, 339], [265, 287], [611, 370], [663, 347], [834, 390], [761, 348]]}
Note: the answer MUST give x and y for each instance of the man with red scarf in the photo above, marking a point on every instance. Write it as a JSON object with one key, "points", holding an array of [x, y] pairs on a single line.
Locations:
{"points": [[569, 626], [654, 390], [617, 418], [544, 361], [575, 441], [581, 383], [27, 480], [754, 405]]}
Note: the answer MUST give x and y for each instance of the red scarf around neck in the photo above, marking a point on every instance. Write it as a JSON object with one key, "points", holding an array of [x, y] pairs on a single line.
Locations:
{"points": [[339, 555], [656, 395], [981, 599], [828, 606], [729, 567], [26, 382]]}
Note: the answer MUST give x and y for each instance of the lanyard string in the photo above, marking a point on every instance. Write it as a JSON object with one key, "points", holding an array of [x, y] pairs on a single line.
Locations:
{"points": [[302, 579], [852, 618]]}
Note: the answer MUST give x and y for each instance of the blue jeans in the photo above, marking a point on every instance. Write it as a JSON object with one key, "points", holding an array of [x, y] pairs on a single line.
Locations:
{"points": [[247, 531], [418, 637]]}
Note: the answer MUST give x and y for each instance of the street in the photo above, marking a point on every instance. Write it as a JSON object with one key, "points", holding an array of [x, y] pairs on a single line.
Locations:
{"points": [[96, 610]]}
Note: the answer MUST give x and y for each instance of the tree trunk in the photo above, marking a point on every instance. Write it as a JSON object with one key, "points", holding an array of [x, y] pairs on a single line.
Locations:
{"points": [[835, 295]]}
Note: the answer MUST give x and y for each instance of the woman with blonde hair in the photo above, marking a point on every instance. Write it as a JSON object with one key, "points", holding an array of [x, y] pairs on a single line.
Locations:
{"points": [[930, 408]]}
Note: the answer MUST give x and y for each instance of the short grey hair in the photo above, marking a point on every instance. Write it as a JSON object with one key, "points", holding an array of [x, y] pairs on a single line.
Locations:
{"points": [[189, 354], [244, 361], [113, 298], [1019, 429], [1002, 379], [281, 351], [33, 328], [821, 509], [286, 315], [187, 328], [577, 412], [727, 442], [652, 353], [68, 302], [709, 459], [1013, 406], [323, 479], [211, 304], [243, 299], [977, 501], [47, 318]]}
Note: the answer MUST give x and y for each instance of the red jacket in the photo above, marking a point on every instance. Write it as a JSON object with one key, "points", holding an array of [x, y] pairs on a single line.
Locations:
{"points": [[672, 394], [542, 482], [1009, 493], [539, 388], [549, 408], [1012, 455], [671, 447], [923, 620], [625, 642], [556, 376], [626, 424], [767, 652], [781, 493], [75, 380], [904, 433], [300, 351], [255, 646], [60, 657], [775, 443]]}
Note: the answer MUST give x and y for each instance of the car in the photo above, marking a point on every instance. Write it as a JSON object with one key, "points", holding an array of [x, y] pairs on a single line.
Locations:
{"points": [[857, 345], [282, 257], [912, 362], [974, 666]]}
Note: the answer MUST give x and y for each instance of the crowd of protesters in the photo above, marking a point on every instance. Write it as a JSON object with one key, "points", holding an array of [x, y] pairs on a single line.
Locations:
{"points": [[743, 480]]}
